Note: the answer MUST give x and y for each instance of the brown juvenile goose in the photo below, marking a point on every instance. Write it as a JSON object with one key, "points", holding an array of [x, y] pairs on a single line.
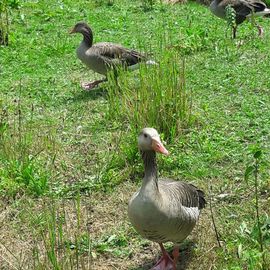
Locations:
{"points": [[243, 9], [163, 210], [103, 56]]}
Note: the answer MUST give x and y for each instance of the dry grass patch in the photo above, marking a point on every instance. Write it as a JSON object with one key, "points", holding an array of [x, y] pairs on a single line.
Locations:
{"points": [[90, 232]]}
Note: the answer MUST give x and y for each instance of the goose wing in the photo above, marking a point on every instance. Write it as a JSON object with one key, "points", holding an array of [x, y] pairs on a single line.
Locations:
{"points": [[187, 194], [247, 7], [116, 54], [243, 8]]}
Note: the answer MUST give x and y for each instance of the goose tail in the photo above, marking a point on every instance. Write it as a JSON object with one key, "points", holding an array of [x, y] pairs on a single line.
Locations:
{"points": [[202, 201], [151, 62], [262, 13], [148, 62], [267, 10]]}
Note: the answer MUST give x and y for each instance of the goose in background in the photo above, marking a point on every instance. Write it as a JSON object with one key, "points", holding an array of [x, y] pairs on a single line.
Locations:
{"points": [[244, 9], [104, 56], [163, 210]]}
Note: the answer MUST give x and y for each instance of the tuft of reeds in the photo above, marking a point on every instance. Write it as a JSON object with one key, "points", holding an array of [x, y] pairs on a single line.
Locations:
{"points": [[58, 248], [4, 23], [157, 97], [254, 170], [231, 18], [148, 4], [99, 3], [5, 10], [22, 169]]}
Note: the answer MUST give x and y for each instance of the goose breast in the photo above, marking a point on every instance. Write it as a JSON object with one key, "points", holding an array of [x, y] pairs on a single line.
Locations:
{"points": [[93, 58], [218, 9], [169, 216]]}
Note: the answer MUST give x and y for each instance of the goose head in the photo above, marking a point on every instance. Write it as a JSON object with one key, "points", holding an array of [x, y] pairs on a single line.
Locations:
{"points": [[81, 27], [149, 140]]}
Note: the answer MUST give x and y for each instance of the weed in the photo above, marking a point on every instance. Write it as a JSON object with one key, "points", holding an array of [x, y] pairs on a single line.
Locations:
{"points": [[5, 10], [115, 244], [61, 249], [16, 177], [257, 230], [160, 99], [85, 142], [20, 164], [148, 5], [231, 17], [99, 3]]}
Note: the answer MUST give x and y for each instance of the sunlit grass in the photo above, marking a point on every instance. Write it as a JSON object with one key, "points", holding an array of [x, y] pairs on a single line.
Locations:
{"points": [[69, 160], [157, 97]]}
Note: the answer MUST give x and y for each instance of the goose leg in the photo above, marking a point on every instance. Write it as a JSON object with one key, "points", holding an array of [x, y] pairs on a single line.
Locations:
{"points": [[165, 262], [234, 32], [260, 29], [175, 257], [91, 85]]}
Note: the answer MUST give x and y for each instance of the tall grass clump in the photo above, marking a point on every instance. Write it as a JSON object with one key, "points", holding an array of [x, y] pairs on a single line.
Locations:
{"points": [[99, 3], [21, 167], [5, 9], [148, 5], [154, 96], [157, 97], [260, 233], [231, 18], [61, 240]]}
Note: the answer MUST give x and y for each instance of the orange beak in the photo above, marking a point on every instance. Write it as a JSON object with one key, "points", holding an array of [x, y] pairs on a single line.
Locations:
{"points": [[159, 147]]}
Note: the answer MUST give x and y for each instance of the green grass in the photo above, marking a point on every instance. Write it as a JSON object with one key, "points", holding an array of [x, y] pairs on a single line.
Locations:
{"points": [[158, 98], [69, 160]]}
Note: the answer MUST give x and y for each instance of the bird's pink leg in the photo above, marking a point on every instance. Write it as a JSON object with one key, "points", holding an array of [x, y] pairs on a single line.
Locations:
{"points": [[165, 262], [175, 257], [234, 32], [91, 85], [260, 29]]}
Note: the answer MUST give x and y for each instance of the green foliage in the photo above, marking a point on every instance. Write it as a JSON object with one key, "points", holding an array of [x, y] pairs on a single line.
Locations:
{"points": [[156, 97], [230, 16], [5, 10], [19, 176], [21, 170], [99, 3], [257, 230], [118, 245], [248, 244], [68, 138], [194, 40], [62, 249], [148, 5], [160, 99]]}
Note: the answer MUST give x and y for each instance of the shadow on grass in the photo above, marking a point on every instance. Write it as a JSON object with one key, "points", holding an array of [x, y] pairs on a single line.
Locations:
{"points": [[186, 253], [94, 94]]}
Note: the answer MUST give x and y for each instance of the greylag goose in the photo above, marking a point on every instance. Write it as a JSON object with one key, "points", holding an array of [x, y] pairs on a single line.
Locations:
{"points": [[243, 9], [163, 210], [103, 56]]}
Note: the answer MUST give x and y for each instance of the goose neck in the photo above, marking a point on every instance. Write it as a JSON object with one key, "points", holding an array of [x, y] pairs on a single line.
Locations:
{"points": [[88, 37], [150, 180]]}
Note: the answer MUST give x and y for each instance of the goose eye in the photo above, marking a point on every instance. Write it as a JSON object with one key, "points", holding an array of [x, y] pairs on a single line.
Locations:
{"points": [[145, 135]]}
